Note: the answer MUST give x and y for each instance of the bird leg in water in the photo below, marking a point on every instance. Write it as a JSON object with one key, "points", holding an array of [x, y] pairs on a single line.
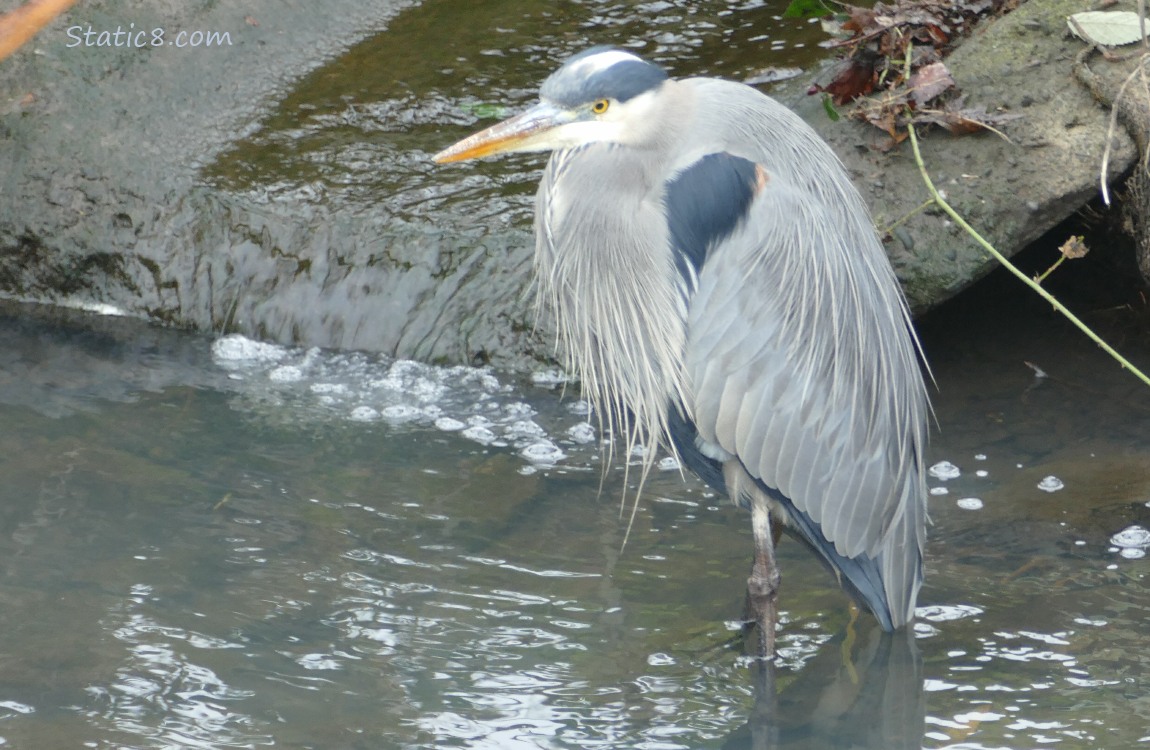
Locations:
{"points": [[764, 719], [763, 584]]}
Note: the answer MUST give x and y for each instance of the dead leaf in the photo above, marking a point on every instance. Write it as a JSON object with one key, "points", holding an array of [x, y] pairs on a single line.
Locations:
{"points": [[854, 79], [1075, 247], [929, 82], [965, 120], [1112, 28], [880, 39]]}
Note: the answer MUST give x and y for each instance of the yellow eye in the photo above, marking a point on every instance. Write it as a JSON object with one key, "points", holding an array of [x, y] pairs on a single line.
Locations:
{"points": [[600, 106]]}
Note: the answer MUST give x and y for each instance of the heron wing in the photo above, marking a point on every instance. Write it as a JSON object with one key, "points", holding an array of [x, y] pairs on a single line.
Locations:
{"points": [[801, 364]]}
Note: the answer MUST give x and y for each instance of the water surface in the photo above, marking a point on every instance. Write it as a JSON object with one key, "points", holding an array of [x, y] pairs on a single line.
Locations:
{"points": [[216, 544]]}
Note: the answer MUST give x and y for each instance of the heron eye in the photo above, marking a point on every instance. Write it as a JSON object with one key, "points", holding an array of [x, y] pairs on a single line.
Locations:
{"points": [[600, 106]]}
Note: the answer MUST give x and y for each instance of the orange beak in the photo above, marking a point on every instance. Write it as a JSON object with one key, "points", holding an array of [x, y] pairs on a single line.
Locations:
{"points": [[528, 131]]}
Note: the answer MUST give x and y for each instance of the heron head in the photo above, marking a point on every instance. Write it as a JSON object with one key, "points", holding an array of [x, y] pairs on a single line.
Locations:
{"points": [[599, 95]]}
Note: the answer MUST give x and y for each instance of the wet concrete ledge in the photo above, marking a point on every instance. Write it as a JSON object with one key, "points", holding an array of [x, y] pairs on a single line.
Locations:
{"points": [[102, 147], [102, 201]]}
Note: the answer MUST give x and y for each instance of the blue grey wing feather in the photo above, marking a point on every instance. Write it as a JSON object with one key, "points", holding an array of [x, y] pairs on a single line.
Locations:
{"points": [[801, 364]]}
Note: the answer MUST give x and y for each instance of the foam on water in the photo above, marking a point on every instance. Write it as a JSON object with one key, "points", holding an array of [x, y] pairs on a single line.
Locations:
{"points": [[1132, 537], [945, 471], [293, 384], [241, 351], [582, 432]]}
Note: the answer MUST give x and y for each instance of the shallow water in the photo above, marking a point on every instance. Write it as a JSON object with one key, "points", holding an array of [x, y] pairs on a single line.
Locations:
{"points": [[222, 544], [214, 543]]}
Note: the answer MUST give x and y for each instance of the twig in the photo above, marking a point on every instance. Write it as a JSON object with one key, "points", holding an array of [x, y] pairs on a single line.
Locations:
{"points": [[1050, 270], [1142, 24], [1143, 64], [1111, 130], [906, 217], [1082, 34]]}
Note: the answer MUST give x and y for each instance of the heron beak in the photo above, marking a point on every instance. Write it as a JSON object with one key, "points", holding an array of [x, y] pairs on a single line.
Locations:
{"points": [[528, 131]]}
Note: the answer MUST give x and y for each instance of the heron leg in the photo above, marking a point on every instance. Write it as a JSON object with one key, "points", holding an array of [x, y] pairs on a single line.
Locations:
{"points": [[763, 583], [764, 718]]}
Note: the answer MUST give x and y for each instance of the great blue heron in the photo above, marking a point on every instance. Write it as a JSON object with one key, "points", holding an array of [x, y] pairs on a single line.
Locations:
{"points": [[719, 290]]}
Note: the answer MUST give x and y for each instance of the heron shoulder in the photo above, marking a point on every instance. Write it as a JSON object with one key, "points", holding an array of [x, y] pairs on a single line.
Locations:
{"points": [[705, 203], [746, 122]]}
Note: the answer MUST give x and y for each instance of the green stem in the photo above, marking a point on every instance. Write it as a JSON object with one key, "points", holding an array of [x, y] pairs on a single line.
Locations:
{"points": [[1010, 266], [907, 216], [1050, 270]]}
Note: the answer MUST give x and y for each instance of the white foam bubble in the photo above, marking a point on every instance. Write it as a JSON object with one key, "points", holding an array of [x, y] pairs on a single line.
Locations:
{"points": [[1050, 484], [523, 428], [551, 377], [582, 433], [294, 385], [518, 409], [327, 388], [580, 407], [286, 374], [363, 414], [1133, 536], [398, 413], [543, 452], [945, 471], [240, 349], [481, 435]]}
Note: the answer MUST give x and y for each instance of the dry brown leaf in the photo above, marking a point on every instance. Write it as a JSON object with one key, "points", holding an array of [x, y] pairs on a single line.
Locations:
{"points": [[929, 82], [1075, 247]]}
